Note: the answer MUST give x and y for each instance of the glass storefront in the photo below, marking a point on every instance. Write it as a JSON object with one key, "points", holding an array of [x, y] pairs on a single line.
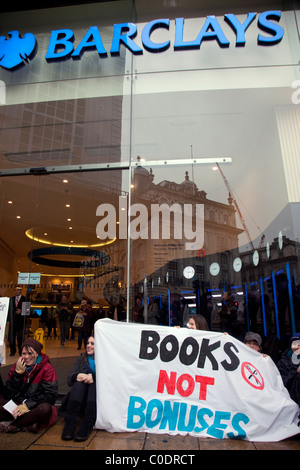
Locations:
{"points": [[154, 163]]}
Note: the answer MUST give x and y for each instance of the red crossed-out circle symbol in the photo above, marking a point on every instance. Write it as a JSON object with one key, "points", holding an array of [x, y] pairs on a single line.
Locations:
{"points": [[252, 376], [201, 253]]}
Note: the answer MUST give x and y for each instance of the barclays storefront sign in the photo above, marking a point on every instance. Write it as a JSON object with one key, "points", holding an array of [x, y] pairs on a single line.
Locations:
{"points": [[15, 50]]}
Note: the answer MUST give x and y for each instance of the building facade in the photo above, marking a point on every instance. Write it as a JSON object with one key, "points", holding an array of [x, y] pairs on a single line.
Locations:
{"points": [[150, 149]]}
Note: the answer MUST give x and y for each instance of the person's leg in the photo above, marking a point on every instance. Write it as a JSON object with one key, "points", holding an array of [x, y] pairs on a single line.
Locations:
{"points": [[62, 333], [89, 417], [28, 422], [34, 418], [76, 399], [80, 337], [5, 417]]}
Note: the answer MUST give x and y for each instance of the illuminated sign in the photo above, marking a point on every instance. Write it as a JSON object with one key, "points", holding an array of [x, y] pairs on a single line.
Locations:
{"points": [[15, 49]]}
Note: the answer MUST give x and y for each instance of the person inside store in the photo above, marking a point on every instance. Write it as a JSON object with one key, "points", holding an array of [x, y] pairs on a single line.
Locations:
{"points": [[228, 314], [117, 312], [30, 392], [51, 322], [83, 322], [16, 321], [152, 312], [289, 368], [138, 314], [81, 400], [64, 312]]}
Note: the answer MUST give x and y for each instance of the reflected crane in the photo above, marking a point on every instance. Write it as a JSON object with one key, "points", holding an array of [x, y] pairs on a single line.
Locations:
{"points": [[236, 206]]}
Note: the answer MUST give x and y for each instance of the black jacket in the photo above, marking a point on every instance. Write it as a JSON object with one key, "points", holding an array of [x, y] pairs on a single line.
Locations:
{"points": [[288, 368], [81, 366]]}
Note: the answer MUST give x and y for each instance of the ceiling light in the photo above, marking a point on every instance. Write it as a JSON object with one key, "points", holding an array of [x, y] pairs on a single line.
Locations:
{"points": [[30, 234], [18, 217], [65, 181], [9, 202], [68, 205]]}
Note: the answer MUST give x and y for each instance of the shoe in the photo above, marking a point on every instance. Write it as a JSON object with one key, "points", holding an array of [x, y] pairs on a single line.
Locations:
{"points": [[32, 428], [4, 425], [84, 431], [7, 427], [69, 430], [12, 429]]}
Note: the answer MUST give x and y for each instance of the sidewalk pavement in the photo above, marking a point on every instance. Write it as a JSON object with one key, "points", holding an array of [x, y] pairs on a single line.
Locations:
{"points": [[113, 443], [50, 439]]}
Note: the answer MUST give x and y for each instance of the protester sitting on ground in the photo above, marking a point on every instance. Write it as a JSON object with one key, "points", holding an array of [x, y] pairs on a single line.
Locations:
{"points": [[289, 368], [82, 397], [196, 322], [253, 340], [32, 387]]}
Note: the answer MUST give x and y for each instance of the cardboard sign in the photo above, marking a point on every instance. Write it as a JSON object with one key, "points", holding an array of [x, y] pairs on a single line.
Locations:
{"points": [[160, 379]]}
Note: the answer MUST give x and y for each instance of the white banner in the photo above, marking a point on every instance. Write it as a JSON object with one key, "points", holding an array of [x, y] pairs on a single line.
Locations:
{"points": [[160, 379], [4, 304]]}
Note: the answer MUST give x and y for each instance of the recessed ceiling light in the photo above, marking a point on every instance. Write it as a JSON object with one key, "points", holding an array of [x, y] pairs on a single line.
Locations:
{"points": [[70, 228], [65, 181], [18, 217], [69, 220], [68, 205], [9, 202]]}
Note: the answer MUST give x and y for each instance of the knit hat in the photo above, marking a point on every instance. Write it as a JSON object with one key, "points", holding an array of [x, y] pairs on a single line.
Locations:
{"points": [[34, 344], [295, 337], [251, 336]]}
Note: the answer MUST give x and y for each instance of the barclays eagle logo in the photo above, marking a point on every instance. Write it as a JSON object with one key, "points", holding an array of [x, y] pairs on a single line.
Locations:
{"points": [[15, 49]]}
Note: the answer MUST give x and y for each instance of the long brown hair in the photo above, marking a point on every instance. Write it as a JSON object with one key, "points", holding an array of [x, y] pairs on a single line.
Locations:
{"points": [[200, 322]]}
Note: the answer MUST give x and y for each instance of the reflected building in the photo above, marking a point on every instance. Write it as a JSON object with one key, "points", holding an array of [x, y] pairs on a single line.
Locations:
{"points": [[162, 261]]}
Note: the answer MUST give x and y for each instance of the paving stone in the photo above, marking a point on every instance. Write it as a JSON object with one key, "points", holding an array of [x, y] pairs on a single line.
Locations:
{"points": [[225, 444], [113, 443], [168, 442]]}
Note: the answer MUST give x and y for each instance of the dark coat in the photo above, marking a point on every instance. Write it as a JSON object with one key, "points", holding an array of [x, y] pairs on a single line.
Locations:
{"points": [[16, 320], [287, 368], [121, 314], [81, 366]]}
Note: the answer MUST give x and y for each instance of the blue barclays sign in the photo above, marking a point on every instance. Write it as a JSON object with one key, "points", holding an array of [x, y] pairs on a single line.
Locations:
{"points": [[15, 50]]}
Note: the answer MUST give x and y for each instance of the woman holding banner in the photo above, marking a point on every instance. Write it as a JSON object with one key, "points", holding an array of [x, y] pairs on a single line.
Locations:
{"points": [[82, 397], [198, 322]]}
